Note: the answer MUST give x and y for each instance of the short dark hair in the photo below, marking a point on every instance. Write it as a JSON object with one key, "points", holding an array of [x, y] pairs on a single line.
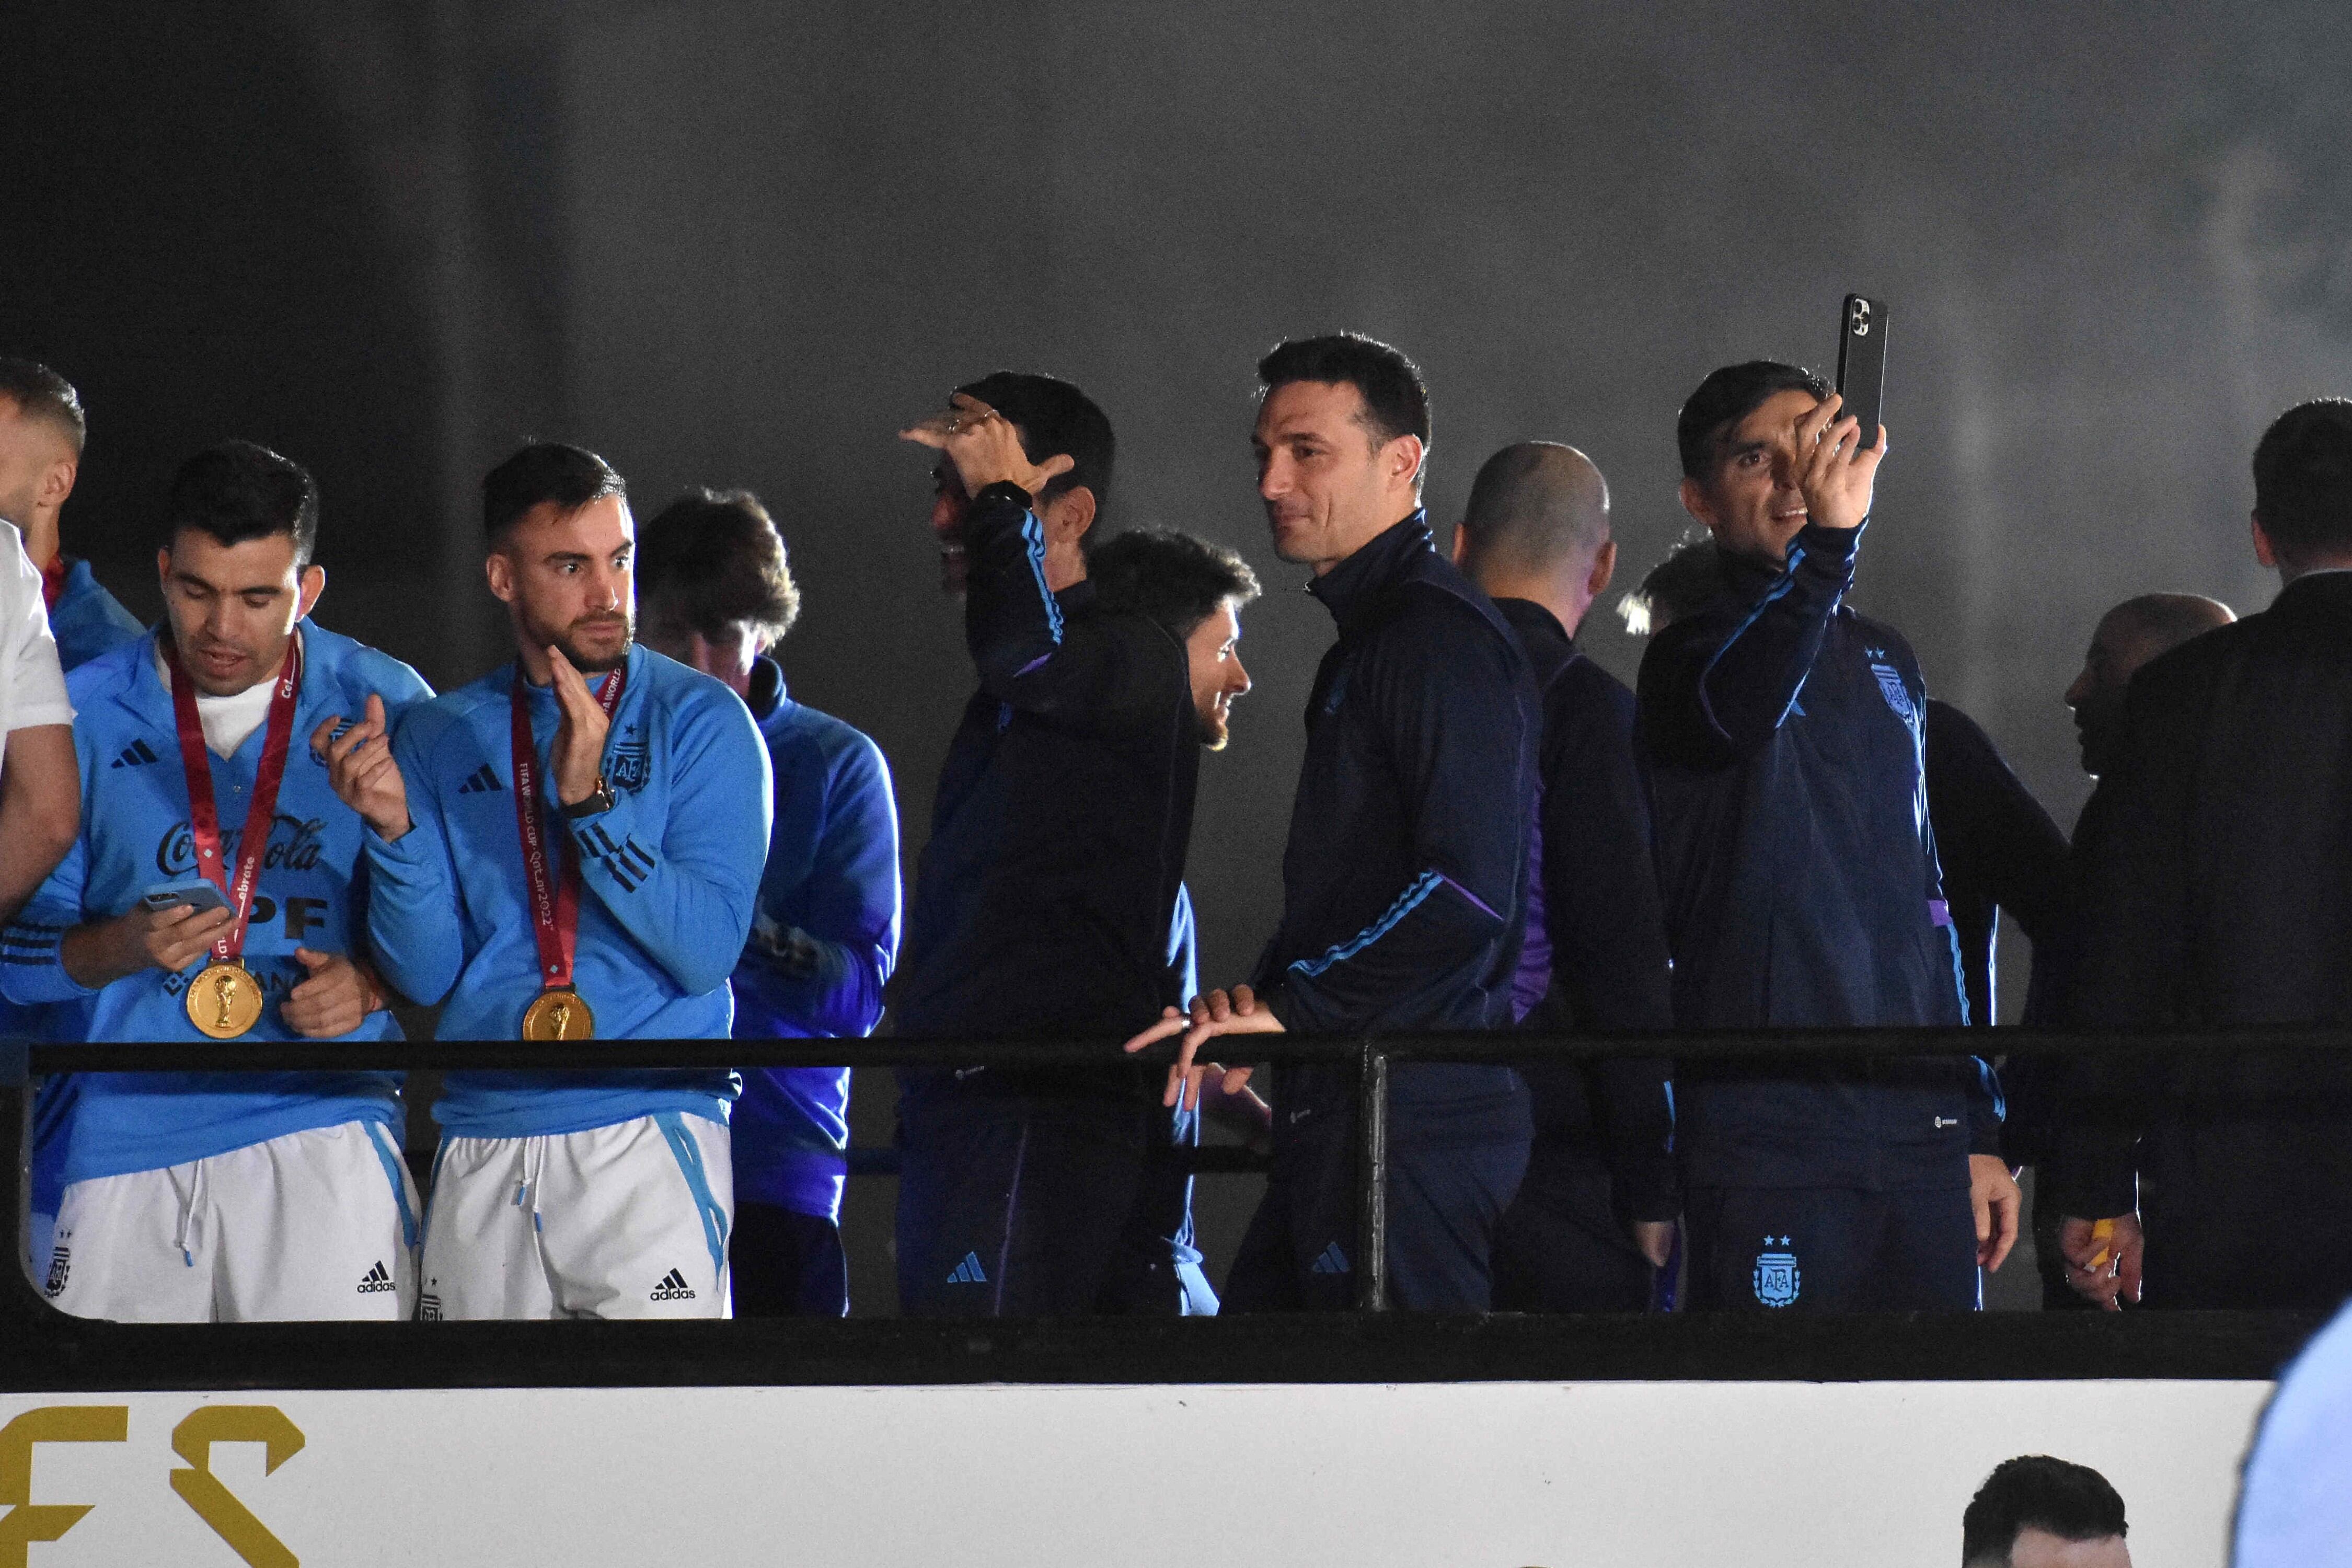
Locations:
{"points": [[1396, 400], [2072, 1502], [240, 490], [1687, 580], [714, 561], [1054, 420], [1729, 395], [1175, 579], [40, 393], [2303, 477], [543, 472]]}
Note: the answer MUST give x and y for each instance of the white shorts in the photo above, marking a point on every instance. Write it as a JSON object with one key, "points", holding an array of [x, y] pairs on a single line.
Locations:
{"points": [[312, 1225], [626, 1221]]}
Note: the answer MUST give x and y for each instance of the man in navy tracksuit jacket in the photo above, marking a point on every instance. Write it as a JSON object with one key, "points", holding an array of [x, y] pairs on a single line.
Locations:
{"points": [[1049, 901], [1784, 738], [1405, 877], [1595, 1219]]}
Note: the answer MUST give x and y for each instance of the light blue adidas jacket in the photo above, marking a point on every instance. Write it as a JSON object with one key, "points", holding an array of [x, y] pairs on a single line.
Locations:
{"points": [[669, 876], [134, 835]]}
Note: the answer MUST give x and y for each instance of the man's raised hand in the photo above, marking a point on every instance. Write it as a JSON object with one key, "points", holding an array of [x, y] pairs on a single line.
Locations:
{"points": [[1213, 1012], [576, 757], [984, 448], [1836, 471], [360, 769]]}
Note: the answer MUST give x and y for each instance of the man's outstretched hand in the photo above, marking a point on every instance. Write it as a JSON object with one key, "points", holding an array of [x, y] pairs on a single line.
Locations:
{"points": [[984, 448], [1213, 1012]]}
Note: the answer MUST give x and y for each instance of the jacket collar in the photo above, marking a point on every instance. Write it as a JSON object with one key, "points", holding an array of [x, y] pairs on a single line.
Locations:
{"points": [[767, 693], [1535, 623], [2323, 592], [1349, 589], [143, 694]]}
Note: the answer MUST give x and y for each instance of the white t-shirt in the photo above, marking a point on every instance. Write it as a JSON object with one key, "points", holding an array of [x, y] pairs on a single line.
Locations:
{"points": [[227, 721], [32, 684]]}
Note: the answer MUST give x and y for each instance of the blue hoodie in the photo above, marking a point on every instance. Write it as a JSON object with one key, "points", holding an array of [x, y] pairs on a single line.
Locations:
{"points": [[832, 876], [669, 876], [134, 835]]}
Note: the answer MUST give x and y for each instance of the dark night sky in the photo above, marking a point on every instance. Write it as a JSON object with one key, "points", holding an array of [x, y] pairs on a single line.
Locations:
{"points": [[742, 244]]}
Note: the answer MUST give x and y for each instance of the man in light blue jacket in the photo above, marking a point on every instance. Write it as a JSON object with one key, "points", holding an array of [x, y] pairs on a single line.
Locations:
{"points": [[216, 890], [569, 849]]}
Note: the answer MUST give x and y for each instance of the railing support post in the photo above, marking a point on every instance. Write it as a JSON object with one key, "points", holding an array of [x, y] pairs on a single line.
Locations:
{"points": [[1372, 1179]]}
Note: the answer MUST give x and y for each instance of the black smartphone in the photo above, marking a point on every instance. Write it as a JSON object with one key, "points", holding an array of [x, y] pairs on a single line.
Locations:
{"points": [[1861, 362], [195, 892]]}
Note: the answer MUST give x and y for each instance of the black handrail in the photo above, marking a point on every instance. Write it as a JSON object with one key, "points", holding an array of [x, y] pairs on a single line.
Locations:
{"points": [[1025, 1051], [42, 1348]]}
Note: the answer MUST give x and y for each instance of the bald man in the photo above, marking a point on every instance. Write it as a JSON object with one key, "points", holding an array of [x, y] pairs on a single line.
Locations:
{"points": [[2127, 637], [1594, 1220]]}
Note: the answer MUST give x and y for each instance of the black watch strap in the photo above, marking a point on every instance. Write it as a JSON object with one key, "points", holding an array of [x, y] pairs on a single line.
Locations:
{"points": [[1004, 489], [600, 799]]}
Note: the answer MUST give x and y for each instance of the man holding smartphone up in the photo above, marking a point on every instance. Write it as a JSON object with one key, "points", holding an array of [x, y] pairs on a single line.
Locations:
{"points": [[212, 895], [1784, 741]]}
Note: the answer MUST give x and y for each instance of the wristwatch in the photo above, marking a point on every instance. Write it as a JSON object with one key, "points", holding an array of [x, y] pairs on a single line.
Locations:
{"points": [[1005, 490], [599, 799]]}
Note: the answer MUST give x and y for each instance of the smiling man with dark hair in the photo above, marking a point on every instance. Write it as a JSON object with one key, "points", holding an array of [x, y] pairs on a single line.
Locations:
{"points": [[1050, 900], [1785, 741], [1406, 871]]}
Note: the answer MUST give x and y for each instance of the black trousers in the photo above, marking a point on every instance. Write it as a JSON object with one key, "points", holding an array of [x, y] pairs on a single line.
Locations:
{"points": [[785, 1264], [1831, 1249], [1019, 1205], [1560, 1246], [1452, 1173]]}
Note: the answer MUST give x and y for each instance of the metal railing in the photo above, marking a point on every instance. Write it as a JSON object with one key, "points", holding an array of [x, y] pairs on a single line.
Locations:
{"points": [[43, 1349]]}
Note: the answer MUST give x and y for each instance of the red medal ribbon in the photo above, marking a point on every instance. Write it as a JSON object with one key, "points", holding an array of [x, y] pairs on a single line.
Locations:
{"points": [[203, 816], [53, 581], [554, 902]]}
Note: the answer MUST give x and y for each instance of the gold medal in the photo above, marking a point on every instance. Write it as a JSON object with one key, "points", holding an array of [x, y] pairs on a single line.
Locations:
{"points": [[225, 1000], [559, 1014]]}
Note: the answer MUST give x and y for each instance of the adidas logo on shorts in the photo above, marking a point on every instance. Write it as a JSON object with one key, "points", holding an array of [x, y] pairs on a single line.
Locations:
{"points": [[60, 1264], [375, 1282], [673, 1288]]}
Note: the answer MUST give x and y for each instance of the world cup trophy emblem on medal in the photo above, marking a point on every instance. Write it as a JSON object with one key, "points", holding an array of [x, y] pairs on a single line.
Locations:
{"points": [[1775, 1275]]}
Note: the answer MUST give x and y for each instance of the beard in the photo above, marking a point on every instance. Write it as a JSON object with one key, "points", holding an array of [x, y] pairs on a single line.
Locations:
{"points": [[587, 641], [1211, 729]]}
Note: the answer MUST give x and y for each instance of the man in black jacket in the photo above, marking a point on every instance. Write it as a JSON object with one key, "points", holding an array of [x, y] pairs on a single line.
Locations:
{"points": [[1405, 877], [1785, 743], [2217, 890], [1050, 899], [1595, 1219]]}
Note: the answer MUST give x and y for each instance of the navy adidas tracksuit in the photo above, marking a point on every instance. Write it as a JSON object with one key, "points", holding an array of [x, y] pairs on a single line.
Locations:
{"points": [[1404, 890], [1595, 958], [1784, 741], [1050, 903]]}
